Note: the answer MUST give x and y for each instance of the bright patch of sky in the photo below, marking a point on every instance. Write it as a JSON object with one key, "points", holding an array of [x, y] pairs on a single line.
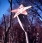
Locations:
{"points": [[4, 5]]}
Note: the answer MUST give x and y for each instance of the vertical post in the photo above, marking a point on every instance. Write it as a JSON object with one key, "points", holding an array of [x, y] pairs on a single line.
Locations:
{"points": [[27, 41], [11, 12], [10, 1], [5, 33]]}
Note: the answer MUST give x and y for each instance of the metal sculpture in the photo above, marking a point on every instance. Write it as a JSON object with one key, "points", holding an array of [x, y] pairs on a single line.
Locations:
{"points": [[21, 10]]}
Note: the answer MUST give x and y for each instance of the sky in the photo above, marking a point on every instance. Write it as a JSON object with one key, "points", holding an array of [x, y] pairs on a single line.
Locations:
{"points": [[4, 5]]}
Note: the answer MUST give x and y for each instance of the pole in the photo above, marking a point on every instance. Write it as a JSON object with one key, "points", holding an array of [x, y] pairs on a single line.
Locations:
{"points": [[10, 1], [27, 41]]}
